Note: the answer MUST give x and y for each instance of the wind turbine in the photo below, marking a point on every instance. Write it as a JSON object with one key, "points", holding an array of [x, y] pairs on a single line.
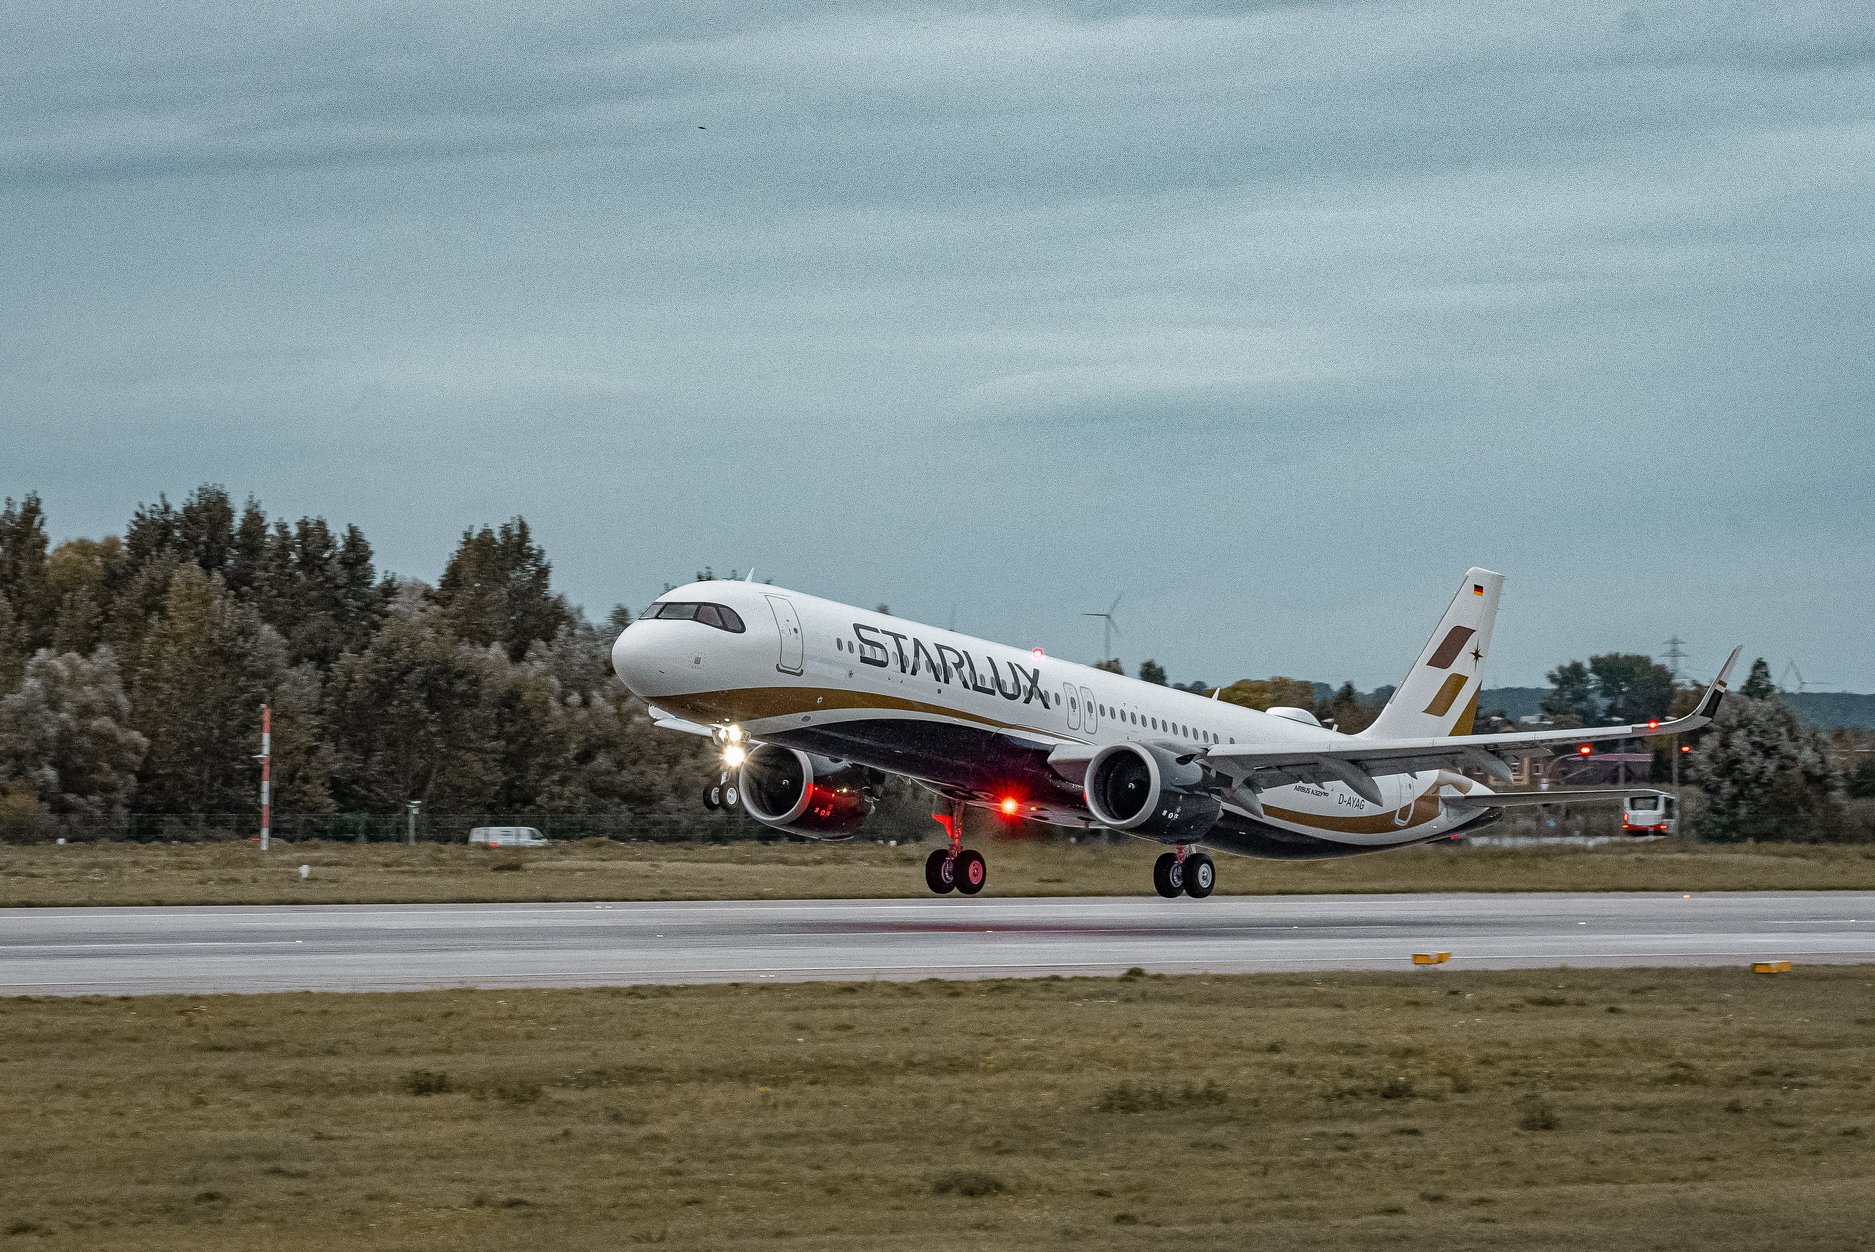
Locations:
{"points": [[1108, 628]]}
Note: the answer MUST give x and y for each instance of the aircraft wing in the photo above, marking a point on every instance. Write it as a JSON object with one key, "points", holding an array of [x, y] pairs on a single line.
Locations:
{"points": [[1562, 795], [1357, 760]]}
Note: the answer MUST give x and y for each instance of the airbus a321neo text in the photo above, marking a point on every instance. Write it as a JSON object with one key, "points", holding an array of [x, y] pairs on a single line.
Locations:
{"points": [[811, 701]]}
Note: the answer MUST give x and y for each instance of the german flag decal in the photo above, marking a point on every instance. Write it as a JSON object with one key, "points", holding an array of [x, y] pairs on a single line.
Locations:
{"points": [[1477, 589]]}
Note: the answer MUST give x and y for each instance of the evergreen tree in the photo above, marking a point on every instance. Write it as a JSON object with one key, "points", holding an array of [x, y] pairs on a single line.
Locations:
{"points": [[303, 759], [23, 570], [205, 669], [1758, 684], [81, 579], [247, 558], [12, 647], [495, 589], [1764, 775], [409, 720], [65, 736]]}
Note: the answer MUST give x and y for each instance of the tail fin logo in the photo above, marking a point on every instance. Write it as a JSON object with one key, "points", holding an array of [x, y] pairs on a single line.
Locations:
{"points": [[1477, 589], [1449, 647], [1448, 692]]}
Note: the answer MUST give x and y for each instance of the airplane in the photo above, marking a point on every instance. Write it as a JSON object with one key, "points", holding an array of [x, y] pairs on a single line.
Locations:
{"points": [[811, 701]]}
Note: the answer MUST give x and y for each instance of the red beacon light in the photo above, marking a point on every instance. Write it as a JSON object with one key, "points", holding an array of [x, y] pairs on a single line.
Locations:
{"points": [[1010, 806], [1038, 651], [1584, 750]]}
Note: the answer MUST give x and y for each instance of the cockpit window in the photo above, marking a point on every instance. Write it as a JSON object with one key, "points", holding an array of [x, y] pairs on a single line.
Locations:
{"points": [[720, 616]]}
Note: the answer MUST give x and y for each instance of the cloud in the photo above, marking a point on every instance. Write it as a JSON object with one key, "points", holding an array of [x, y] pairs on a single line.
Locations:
{"points": [[1265, 309]]}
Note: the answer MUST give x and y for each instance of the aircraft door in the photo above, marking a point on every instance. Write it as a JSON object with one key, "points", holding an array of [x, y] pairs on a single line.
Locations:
{"points": [[1090, 718], [788, 626]]}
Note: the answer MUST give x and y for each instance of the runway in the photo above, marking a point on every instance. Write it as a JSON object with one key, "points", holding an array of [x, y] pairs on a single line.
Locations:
{"points": [[129, 951]]}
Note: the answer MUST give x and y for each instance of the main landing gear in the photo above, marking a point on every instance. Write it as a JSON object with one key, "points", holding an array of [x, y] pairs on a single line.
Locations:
{"points": [[1184, 872], [955, 867], [722, 794]]}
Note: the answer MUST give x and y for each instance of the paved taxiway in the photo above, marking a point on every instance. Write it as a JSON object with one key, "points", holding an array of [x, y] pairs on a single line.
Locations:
{"points": [[394, 946]]}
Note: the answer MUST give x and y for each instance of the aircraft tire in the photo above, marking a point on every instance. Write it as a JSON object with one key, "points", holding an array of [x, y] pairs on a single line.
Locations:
{"points": [[972, 872], [940, 872], [713, 797], [1200, 876], [730, 796], [1163, 871]]}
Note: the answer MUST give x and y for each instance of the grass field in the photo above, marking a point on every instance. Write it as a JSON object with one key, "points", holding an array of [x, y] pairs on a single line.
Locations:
{"points": [[1658, 1109], [237, 873]]}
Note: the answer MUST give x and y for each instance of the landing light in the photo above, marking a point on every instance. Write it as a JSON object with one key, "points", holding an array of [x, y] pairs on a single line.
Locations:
{"points": [[734, 734], [734, 756]]}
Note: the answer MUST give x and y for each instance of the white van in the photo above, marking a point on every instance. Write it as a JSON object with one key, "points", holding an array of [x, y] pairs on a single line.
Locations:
{"points": [[1650, 813], [508, 837]]}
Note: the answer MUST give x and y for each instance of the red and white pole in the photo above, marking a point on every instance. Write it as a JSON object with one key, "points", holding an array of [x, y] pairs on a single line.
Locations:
{"points": [[266, 775]]}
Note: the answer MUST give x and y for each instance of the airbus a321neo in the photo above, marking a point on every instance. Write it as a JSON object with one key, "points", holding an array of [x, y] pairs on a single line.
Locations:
{"points": [[810, 701]]}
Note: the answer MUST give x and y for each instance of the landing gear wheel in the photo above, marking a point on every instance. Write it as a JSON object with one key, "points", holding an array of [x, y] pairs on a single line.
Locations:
{"points": [[1200, 876], [940, 871], [971, 872], [1168, 876], [730, 796], [713, 797]]}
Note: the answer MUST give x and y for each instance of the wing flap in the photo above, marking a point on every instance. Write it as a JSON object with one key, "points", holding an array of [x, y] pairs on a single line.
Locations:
{"points": [[1530, 799]]}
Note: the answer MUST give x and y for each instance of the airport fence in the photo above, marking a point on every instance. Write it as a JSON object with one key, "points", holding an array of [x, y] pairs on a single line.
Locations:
{"points": [[673, 824]]}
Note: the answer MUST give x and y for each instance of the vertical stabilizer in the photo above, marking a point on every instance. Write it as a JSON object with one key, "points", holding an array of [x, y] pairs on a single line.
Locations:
{"points": [[1440, 693]]}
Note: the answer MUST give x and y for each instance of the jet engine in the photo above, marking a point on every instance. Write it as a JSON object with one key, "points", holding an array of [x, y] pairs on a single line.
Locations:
{"points": [[805, 794], [1145, 790]]}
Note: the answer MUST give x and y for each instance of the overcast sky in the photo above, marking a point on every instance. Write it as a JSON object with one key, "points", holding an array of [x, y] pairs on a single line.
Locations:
{"points": [[1271, 317]]}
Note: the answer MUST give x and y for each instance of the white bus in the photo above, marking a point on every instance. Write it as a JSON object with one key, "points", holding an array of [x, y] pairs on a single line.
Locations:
{"points": [[1650, 813]]}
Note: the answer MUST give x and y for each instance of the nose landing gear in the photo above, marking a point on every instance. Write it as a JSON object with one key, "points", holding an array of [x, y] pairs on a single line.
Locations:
{"points": [[1184, 872], [955, 867]]}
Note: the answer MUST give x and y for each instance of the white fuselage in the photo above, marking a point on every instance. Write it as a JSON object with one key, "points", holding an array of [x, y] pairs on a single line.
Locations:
{"points": [[807, 669]]}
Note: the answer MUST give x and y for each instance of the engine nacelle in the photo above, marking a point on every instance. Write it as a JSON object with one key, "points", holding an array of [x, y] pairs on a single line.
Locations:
{"points": [[1144, 790], [804, 794]]}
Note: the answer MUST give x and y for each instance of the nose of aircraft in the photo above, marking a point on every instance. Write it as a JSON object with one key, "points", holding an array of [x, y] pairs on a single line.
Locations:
{"points": [[637, 661]]}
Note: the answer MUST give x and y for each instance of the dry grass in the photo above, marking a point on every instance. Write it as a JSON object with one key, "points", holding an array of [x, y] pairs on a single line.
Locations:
{"points": [[237, 873], [1661, 1109]]}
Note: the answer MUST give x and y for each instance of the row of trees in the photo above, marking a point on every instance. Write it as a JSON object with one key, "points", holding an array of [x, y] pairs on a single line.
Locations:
{"points": [[132, 671]]}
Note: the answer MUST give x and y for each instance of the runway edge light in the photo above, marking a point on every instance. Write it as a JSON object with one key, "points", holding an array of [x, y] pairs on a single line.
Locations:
{"points": [[1431, 958], [1770, 967]]}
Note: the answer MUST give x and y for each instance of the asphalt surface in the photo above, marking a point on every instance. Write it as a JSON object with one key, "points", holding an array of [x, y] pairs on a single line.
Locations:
{"points": [[373, 947]]}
